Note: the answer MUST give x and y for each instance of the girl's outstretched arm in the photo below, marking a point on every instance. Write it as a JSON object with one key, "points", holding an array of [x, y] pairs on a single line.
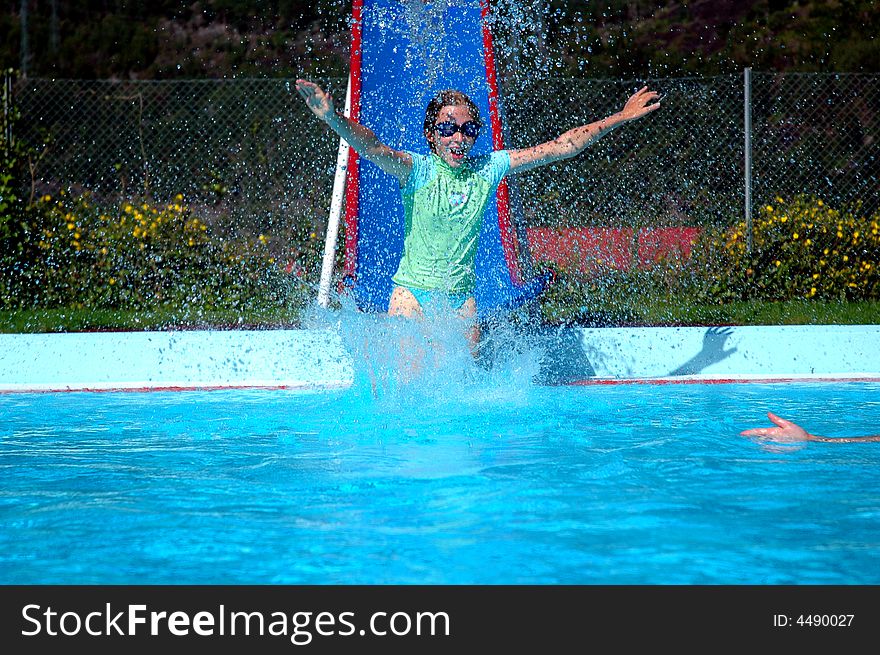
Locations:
{"points": [[786, 432], [362, 139], [574, 141]]}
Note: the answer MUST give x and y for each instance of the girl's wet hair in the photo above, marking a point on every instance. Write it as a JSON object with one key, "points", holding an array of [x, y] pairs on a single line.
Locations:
{"points": [[448, 98]]}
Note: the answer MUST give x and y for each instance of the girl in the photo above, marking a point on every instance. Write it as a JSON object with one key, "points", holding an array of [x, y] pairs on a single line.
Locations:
{"points": [[446, 192]]}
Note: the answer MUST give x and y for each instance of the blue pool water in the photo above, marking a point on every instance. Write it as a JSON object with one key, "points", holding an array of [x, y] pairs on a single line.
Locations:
{"points": [[471, 484]]}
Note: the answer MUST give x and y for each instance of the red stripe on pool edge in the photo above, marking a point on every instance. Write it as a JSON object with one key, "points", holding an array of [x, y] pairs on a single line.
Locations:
{"points": [[344, 385], [660, 381], [229, 387]]}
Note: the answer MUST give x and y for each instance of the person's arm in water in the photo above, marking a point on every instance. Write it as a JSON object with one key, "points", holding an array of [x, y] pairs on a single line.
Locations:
{"points": [[786, 431], [362, 139], [573, 142]]}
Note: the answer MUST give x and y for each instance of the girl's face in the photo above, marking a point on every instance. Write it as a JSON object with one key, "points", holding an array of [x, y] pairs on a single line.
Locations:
{"points": [[452, 149]]}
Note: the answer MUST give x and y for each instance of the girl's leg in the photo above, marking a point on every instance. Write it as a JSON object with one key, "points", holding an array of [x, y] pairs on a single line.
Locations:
{"points": [[468, 311], [403, 303]]}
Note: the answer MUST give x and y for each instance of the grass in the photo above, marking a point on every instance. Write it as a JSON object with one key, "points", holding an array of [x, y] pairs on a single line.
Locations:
{"points": [[638, 312], [162, 318], [643, 312]]}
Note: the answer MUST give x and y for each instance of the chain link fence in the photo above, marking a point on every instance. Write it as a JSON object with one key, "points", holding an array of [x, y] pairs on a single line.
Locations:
{"points": [[819, 134], [681, 165], [250, 150]]}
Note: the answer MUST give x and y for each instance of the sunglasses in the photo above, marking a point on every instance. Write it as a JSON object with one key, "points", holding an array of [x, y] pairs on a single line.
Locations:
{"points": [[470, 129]]}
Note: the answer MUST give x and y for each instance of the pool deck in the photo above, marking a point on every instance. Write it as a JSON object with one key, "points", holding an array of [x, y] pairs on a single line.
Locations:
{"points": [[317, 359]]}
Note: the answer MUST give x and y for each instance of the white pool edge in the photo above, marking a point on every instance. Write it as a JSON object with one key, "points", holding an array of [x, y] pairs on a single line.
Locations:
{"points": [[307, 360]]}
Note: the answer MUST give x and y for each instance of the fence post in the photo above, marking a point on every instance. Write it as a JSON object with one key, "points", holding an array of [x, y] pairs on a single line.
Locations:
{"points": [[8, 103], [25, 47], [747, 130]]}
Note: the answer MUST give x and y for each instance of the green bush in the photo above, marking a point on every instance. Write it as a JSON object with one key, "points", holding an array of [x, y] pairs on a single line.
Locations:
{"points": [[140, 256], [801, 248]]}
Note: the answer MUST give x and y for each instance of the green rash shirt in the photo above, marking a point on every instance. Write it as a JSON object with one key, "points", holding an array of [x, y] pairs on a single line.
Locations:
{"points": [[443, 209]]}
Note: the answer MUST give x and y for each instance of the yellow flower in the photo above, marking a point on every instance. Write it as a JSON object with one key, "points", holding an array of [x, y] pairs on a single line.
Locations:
{"points": [[795, 236], [820, 203], [778, 263], [70, 226], [112, 280], [846, 258], [263, 238], [46, 198]]}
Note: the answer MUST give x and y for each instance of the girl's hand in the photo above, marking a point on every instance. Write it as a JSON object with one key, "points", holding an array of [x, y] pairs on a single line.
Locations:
{"points": [[639, 104], [318, 100]]}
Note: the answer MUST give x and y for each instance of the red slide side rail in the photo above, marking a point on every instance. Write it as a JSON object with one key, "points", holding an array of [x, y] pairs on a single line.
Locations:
{"points": [[352, 174], [505, 223]]}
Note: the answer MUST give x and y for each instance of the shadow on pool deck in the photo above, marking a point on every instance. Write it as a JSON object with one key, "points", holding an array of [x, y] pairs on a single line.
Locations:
{"points": [[565, 360]]}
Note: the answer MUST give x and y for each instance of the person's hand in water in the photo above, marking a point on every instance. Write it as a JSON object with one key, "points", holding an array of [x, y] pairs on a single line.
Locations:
{"points": [[318, 100], [784, 432], [788, 432]]}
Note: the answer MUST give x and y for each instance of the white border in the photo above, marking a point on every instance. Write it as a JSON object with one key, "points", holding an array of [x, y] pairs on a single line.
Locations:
{"points": [[317, 359]]}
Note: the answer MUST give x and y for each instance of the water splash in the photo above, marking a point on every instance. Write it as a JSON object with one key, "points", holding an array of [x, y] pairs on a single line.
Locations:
{"points": [[427, 366]]}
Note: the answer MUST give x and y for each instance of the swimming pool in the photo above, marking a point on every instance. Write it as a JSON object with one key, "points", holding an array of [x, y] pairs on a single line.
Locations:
{"points": [[471, 477]]}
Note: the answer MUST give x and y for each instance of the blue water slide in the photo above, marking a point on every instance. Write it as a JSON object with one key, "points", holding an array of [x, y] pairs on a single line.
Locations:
{"points": [[409, 52]]}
